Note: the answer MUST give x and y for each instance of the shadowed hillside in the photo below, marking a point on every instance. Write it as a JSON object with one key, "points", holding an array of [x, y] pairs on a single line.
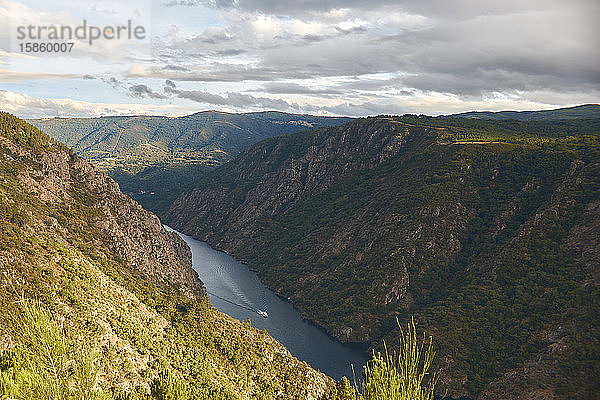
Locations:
{"points": [[486, 232], [586, 111], [154, 159]]}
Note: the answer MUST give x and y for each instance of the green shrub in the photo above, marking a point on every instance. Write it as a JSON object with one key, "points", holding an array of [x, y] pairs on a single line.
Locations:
{"points": [[167, 386], [398, 376], [47, 363], [343, 390]]}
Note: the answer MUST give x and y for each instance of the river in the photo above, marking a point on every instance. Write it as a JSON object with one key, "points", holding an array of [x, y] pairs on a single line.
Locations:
{"points": [[238, 292]]}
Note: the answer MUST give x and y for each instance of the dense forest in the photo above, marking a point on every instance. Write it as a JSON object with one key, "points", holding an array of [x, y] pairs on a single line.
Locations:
{"points": [[485, 231], [155, 159]]}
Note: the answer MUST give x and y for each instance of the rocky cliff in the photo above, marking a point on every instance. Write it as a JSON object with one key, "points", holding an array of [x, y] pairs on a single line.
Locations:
{"points": [[98, 300], [482, 231], [275, 174], [133, 234]]}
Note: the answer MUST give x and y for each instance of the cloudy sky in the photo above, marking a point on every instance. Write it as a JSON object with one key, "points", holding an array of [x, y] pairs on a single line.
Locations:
{"points": [[339, 57]]}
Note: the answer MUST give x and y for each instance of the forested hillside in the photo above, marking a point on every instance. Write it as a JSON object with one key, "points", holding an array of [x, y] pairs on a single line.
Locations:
{"points": [[585, 111], [485, 231], [154, 159], [100, 302]]}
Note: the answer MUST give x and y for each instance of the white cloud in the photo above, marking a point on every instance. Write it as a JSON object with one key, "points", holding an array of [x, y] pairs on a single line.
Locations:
{"points": [[348, 56], [18, 76], [14, 14], [266, 27], [25, 106]]}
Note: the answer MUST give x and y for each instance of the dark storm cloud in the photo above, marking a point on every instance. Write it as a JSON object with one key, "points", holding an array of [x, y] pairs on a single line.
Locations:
{"points": [[144, 91], [294, 88], [526, 51], [235, 73], [466, 48], [366, 108], [231, 99]]}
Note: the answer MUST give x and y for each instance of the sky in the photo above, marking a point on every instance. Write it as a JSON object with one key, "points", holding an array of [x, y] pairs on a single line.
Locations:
{"points": [[353, 58]]}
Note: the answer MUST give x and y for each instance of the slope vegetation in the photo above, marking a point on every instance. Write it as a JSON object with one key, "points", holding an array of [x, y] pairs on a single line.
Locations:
{"points": [[486, 232], [585, 111], [97, 300], [154, 158]]}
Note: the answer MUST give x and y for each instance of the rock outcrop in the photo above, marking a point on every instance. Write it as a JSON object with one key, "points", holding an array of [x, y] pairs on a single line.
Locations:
{"points": [[137, 236]]}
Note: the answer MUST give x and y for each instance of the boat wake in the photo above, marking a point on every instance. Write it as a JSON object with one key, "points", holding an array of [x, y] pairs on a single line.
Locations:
{"points": [[259, 312]]}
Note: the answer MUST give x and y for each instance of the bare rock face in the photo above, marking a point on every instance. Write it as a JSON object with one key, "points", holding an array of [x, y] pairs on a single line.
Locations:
{"points": [[137, 236], [140, 238]]}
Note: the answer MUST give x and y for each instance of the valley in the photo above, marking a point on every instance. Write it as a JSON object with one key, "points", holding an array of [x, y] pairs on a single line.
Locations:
{"points": [[154, 159], [299, 200], [491, 248], [484, 232], [99, 301]]}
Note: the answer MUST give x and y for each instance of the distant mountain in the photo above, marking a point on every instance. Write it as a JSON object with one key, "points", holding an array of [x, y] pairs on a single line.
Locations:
{"points": [[98, 300], [136, 142], [487, 232], [577, 112], [154, 159]]}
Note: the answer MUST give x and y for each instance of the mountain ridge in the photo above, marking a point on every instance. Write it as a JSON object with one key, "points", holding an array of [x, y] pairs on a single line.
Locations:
{"points": [[575, 112], [192, 138], [391, 217], [154, 159]]}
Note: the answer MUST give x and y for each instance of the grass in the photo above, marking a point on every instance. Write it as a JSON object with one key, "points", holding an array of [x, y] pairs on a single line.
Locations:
{"points": [[48, 361], [397, 376]]}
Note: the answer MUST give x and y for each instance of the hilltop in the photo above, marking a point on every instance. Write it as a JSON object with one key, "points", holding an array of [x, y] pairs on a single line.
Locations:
{"points": [[585, 111]]}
